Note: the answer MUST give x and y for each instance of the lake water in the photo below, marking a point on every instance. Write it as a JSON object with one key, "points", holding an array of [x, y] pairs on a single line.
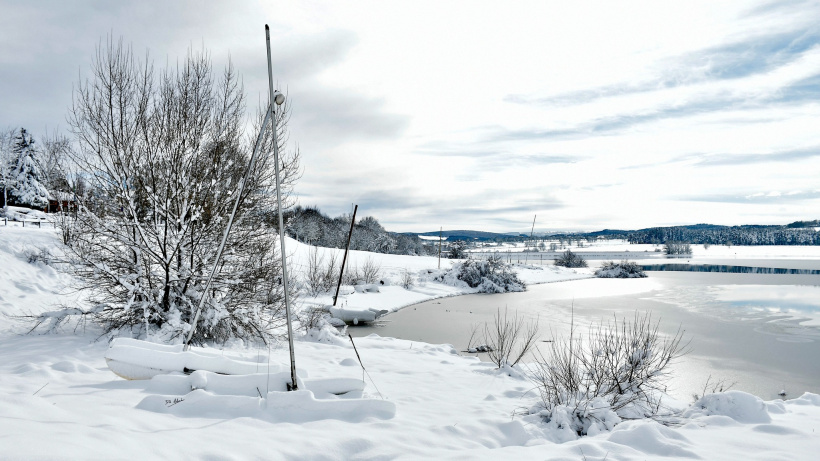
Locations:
{"points": [[761, 331]]}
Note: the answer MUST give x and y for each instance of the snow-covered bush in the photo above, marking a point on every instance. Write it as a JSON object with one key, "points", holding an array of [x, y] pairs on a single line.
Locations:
{"points": [[623, 269], [617, 372], [491, 275], [570, 259]]}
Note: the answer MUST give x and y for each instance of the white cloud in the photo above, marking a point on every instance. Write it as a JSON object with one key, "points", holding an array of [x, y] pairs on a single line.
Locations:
{"points": [[481, 114]]}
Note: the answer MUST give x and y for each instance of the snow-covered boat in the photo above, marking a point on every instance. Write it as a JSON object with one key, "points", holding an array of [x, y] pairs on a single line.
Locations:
{"points": [[356, 316], [135, 359]]}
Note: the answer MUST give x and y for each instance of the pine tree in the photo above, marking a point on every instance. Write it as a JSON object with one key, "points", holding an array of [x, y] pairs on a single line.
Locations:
{"points": [[28, 188]]}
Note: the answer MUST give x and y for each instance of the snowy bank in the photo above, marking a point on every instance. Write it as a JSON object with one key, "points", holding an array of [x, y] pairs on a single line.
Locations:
{"points": [[58, 398]]}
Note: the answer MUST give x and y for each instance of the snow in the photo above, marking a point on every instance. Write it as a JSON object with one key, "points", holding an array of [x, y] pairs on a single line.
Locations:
{"points": [[58, 399], [739, 406], [17, 213]]}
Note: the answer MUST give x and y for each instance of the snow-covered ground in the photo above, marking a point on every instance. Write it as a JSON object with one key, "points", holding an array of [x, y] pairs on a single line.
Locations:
{"points": [[59, 400]]}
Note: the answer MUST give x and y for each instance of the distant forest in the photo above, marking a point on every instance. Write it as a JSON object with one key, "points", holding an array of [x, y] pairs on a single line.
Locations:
{"points": [[309, 225], [791, 234]]}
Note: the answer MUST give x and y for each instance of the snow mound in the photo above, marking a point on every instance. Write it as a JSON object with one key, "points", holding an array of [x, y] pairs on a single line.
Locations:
{"points": [[740, 406], [293, 407], [807, 399], [565, 424], [653, 438]]}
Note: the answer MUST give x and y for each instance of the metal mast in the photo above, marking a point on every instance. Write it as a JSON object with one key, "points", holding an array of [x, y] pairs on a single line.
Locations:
{"points": [[278, 98]]}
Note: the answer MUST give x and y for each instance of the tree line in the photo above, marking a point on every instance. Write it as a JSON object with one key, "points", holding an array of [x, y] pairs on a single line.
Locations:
{"points": [[725, 235], [309, 225]]}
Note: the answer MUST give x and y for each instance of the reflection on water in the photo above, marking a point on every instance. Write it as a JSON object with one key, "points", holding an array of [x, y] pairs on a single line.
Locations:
{"points": [[759, 330], [792, 300], [726, 268]]}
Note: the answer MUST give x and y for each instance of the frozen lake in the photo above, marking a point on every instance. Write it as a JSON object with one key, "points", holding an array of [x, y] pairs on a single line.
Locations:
{"points": [[761, 331]]}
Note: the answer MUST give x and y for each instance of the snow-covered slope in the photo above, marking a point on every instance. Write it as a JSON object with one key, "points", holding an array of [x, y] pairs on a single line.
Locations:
{"points": [[58, 400]]}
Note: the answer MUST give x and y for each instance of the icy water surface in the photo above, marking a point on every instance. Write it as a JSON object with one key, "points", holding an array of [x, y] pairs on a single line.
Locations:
{"points": [[761, 331]]}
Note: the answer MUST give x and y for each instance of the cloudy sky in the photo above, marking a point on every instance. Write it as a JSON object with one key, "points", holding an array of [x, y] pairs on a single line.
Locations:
{"points": [[480, 115]]}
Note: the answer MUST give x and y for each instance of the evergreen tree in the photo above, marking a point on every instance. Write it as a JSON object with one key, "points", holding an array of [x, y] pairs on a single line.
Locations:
{"points": [[28, 188]]}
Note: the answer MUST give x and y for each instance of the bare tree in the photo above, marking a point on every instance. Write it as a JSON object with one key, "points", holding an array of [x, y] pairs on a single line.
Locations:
{"points": [[53, 164], [161, 154]]}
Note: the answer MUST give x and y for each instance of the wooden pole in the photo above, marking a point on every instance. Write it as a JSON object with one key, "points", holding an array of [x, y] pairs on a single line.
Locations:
{"points": [[533, 229], [440, 231], [344, 258]]}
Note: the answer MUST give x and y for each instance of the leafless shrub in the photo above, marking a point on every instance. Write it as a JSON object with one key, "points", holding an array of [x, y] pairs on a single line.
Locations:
{"points": [[509, 338], [371, 271], [622, 364], [314, 275], [713, 387], [67, 226], [351, 274]]}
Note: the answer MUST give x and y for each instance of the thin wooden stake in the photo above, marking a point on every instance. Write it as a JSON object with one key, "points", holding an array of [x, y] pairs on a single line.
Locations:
{"points": [[344, 259], [440, 231]]}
